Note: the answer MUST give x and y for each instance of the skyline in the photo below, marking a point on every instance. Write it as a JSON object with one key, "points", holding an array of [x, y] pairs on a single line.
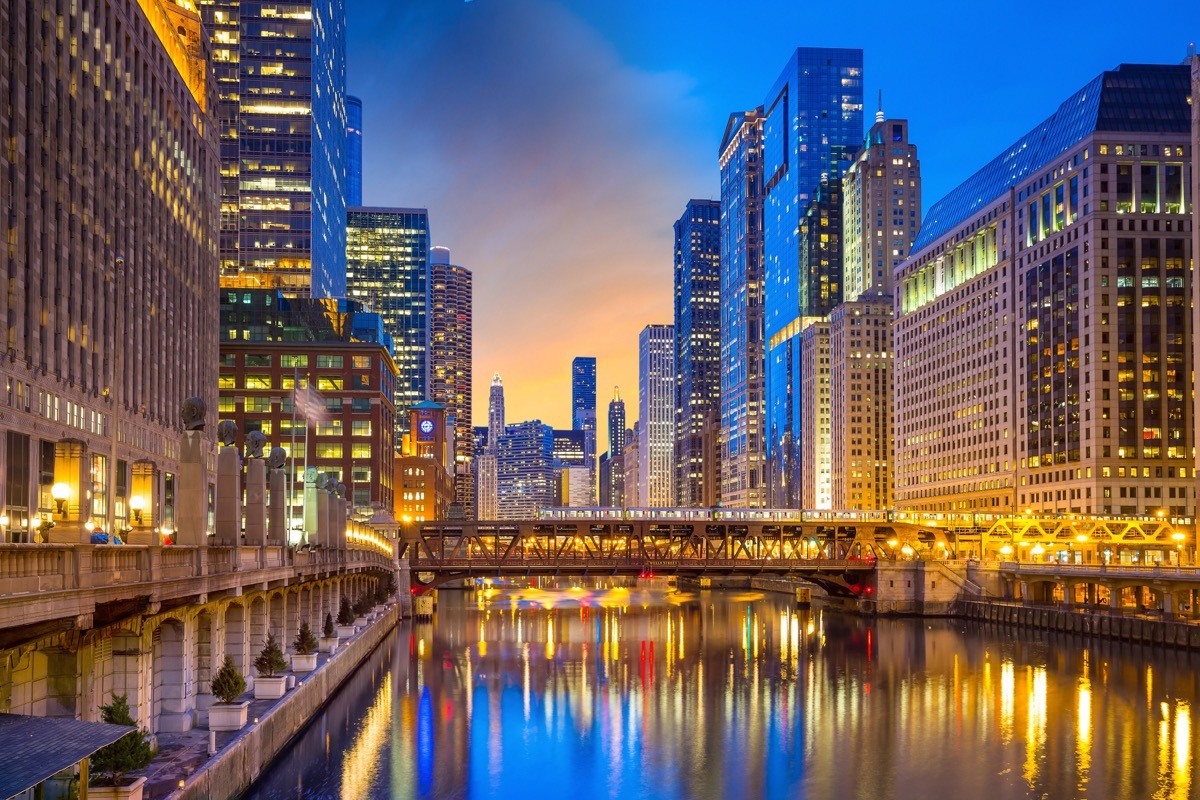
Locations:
{"points": [[503, 175]]}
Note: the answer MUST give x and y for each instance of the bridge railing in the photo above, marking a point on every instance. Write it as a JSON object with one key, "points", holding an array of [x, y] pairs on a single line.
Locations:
{"points": [[38, 568], [1108, 570]]}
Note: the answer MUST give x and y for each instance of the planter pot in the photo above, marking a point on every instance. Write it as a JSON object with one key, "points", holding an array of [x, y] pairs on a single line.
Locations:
{"points": [[360, 622], [304, 662], [226, 717], [268, 688], [345, 631], [329, 645], [132, 791]]}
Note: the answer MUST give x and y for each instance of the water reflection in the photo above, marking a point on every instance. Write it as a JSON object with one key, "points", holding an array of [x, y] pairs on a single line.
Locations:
{"points": [[633, 692]]}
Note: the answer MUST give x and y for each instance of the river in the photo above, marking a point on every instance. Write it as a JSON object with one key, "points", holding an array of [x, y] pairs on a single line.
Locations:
{"points": [[628, 692]]}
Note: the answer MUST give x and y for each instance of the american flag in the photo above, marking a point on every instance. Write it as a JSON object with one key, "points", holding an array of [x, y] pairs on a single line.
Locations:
{"points": [[310, 405]]}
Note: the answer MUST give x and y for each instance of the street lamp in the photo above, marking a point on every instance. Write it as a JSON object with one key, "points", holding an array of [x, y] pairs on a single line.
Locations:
{"points": [[118, 347], [4, 527], [60, 492], [137, 504]]}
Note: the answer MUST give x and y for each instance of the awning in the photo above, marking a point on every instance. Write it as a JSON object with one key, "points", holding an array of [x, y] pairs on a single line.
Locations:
{"points": [[35, 748]]}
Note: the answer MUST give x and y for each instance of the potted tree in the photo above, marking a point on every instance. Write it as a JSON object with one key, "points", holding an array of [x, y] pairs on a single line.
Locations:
{"points": [[362, 607], [113, 762], [345, 619], [270, 685], [329, 638], [304, 657], [227, 714]]}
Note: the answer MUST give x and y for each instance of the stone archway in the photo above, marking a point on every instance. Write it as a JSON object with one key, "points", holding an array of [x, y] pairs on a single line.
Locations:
{"points": [[171, 683], [123, 671]]}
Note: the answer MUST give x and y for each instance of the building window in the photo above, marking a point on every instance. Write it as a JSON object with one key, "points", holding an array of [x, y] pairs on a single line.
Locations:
{"points": [[329, 450], [328, 384], [361, 427], [258, 382], [362, 362], [329, 362], [293, 361]]}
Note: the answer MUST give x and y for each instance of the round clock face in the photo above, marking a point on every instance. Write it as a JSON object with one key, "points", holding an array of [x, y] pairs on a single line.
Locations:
{"points": [[426, 426]]}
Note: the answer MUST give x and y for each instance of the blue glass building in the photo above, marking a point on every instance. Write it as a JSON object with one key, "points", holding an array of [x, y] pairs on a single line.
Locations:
{"points": [[354, 134], [697, 352], [583, 408], [387, 258], [281, 118], [814, 108], [525, 470]]}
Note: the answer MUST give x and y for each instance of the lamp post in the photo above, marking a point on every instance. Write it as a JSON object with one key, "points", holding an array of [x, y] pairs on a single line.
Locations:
{"points": [[60, 492], [4, 527], [118, 346], [137, 504]]}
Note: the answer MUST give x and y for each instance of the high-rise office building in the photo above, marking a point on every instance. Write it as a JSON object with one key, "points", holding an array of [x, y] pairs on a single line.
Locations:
{"points": [[632, 464], [111, 315], [387, 268], [1196, 219], [583, 408], [525, 474], [450, 343], [354, 134], [656, 407], [1043, 324], [742, 479], [809, 485], [860, 394], [813, 118], [486, 466], [281, 116], [697, 351], [616, 451], [881, 208]]}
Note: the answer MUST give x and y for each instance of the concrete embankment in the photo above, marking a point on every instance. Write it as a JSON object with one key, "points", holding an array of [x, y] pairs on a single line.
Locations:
{"points": [[227, 774], [1144, 630]]}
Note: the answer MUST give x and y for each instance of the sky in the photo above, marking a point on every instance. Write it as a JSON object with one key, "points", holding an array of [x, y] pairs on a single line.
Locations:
{"points": [[555, 142]]}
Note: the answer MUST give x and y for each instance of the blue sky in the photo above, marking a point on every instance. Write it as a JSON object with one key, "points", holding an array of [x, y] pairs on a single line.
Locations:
{"points": [[555, 142]]}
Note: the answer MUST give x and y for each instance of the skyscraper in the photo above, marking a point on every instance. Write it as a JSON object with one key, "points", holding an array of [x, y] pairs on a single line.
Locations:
{"points": [[742, 452], [110, 322], [486, 466], [813, 119], [656, 406], [525, 473], [616, 451], [354, 134], [281, 116], [387, 268], [810, 484], [1047, 300], [697, 350], [450, 342], [583, 408], [881, 208]]}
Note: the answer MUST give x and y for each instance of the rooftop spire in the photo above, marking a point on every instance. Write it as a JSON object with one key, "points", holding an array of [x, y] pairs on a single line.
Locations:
{"points": [[496, 379], [879, 111], [616, 393]]}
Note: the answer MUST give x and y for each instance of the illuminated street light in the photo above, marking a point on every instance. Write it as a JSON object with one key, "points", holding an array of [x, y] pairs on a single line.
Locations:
{"points": [[60, 492], [137, 504]]}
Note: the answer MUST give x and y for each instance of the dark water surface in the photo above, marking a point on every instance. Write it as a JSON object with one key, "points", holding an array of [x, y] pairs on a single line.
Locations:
{"points": [[629, 693]]}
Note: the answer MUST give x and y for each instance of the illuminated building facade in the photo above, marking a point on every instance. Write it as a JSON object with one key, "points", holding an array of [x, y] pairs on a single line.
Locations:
{"points": [[281, 116], [525, 474], [813, 118], [450, 359], [812, 479], [423, 471], [1043, 329], [615, 497], [697, 350], [111, 310], [860, 392], [881, 208], [487, 503], [583, 409], [387, 268], [742, 483], [656, 417]]}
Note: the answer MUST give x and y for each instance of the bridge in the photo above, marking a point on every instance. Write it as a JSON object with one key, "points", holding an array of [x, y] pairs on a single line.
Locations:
{"points": [[837, 550]]}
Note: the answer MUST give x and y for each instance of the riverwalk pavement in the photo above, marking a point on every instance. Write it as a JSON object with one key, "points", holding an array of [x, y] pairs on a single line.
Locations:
{"points": [[181, 754]]}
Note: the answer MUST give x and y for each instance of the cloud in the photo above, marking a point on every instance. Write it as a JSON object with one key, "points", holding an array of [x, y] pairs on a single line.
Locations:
{"points": [[553, 170]]}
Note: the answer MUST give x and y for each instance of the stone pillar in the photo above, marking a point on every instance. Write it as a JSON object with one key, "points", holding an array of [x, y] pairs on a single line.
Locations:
{"points": [[1114, 597], [311, 517], [191, 518], [404, 590], [323, 518], [1168, 603], [229, 489], [277, 513], [343, 517], [256, 502]]}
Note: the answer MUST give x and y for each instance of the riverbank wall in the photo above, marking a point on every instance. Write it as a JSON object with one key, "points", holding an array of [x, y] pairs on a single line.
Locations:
{"points": [[231, 771], [1141, 630]]}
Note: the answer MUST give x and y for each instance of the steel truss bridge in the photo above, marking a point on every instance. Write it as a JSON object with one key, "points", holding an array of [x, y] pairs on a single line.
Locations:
{"points": [[835, 550]]}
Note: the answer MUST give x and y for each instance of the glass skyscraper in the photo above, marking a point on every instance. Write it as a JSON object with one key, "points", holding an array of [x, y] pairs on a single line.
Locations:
{"points": [[280, 70], [697, 352], [387, 268], [583, 408], [742, 479], [656, 411], [525, 470], [814, 108], [450, 340], [354, 134]]}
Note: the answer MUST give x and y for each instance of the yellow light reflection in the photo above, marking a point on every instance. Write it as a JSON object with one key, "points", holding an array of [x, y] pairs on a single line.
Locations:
{"points": [[1008, 699], [1083, 742], [362, 760]]}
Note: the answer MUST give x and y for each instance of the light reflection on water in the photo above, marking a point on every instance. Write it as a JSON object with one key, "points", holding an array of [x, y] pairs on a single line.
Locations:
{"points": [[635, 692]]}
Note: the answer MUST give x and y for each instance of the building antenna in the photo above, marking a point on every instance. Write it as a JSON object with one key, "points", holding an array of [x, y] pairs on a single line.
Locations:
{"points": [[879, 111]]}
